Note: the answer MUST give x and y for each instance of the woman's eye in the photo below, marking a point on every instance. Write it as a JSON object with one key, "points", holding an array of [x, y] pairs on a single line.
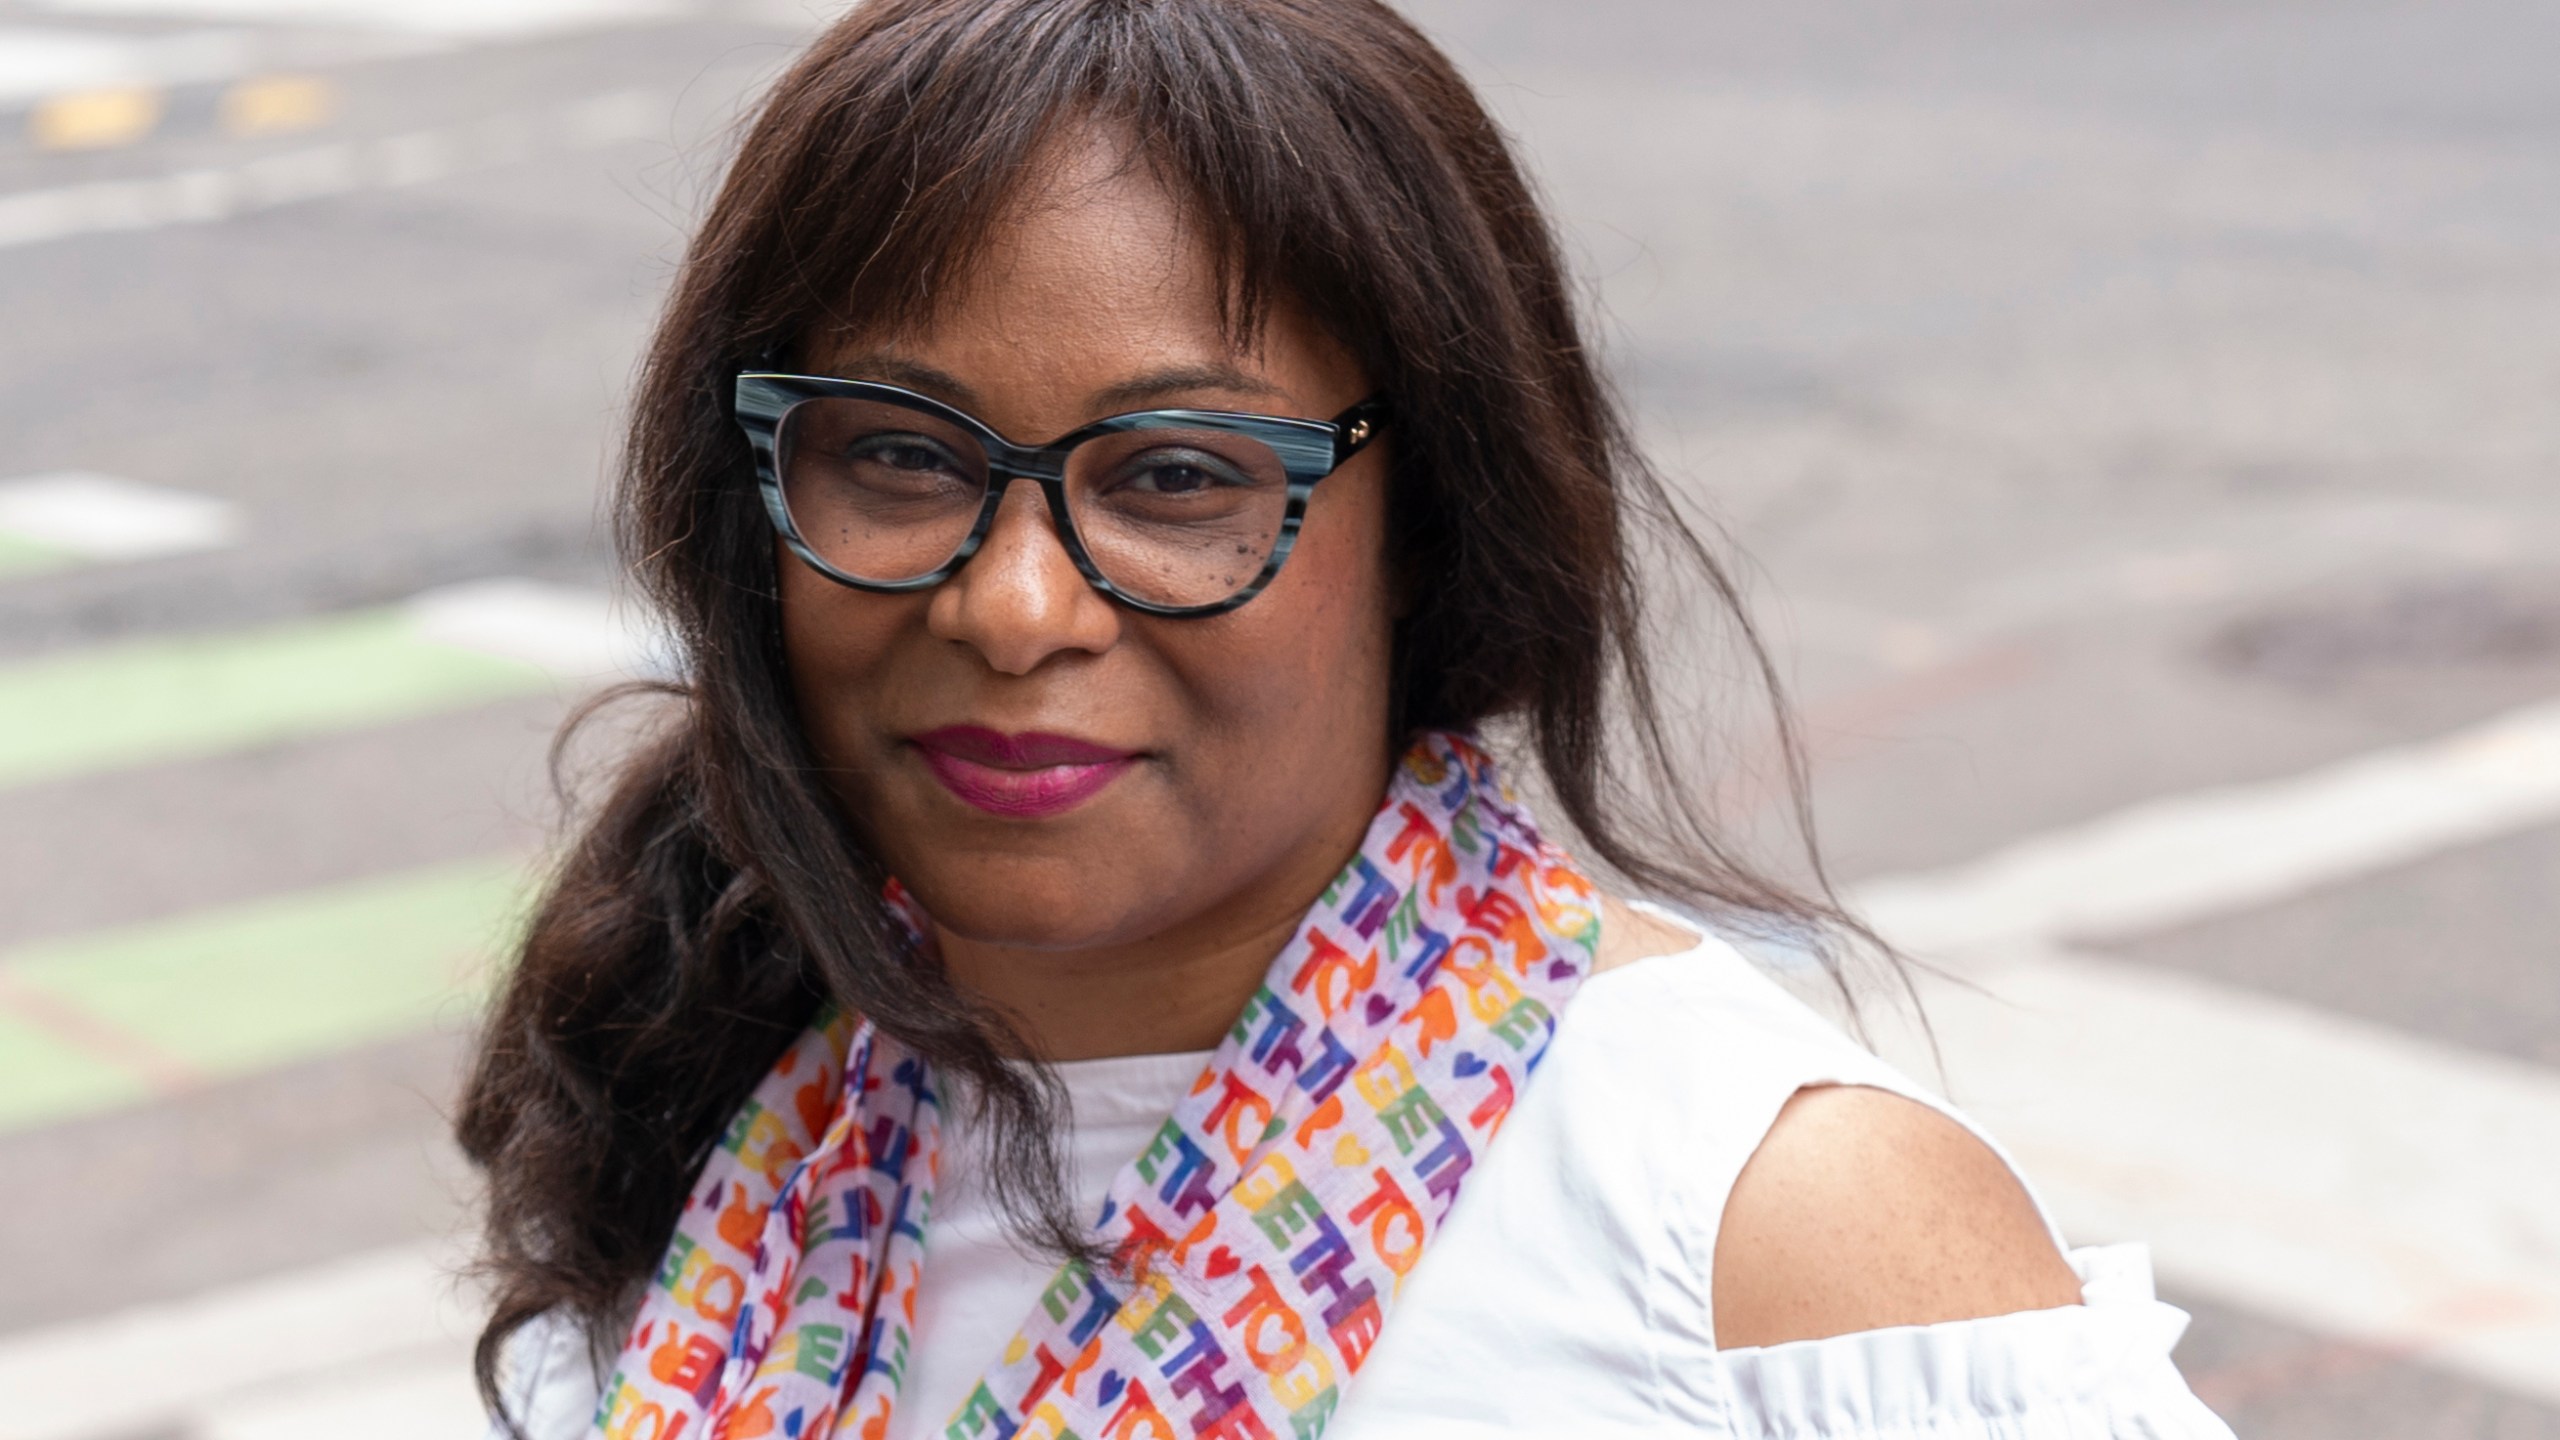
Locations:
{"points": [[1175, 479], [1177, 473], [903, 452]]}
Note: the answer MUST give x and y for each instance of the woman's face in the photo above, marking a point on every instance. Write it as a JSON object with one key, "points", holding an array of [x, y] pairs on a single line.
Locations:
{"points": [[1223, 768]]}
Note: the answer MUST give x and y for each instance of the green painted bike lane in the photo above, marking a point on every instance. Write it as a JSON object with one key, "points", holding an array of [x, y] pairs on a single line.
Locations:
{"points": [[163, 699], [121, 1016], [21, 556], [116, 1017]]}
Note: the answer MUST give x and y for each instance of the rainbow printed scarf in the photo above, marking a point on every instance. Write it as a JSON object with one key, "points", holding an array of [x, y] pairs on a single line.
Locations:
{"points": [[1259, 1241]]}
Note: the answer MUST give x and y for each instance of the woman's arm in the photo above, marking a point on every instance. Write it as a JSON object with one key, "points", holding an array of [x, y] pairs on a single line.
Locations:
{"points": [[1862, 1210]]}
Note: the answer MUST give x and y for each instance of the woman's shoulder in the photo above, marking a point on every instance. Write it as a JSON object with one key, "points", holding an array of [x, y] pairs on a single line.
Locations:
{"points": [[1667, 1068], [1630, 932], [1863, 1210], [1825, 1191], [1678, 1011], [1675, 1068], [1686, 1012]]}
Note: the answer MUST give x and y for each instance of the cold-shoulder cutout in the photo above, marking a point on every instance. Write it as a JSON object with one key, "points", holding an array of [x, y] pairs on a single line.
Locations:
{"points": [[1862, 1209]]}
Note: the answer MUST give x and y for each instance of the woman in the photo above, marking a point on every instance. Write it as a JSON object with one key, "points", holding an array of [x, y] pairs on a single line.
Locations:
{"points": [[1066, 967]]}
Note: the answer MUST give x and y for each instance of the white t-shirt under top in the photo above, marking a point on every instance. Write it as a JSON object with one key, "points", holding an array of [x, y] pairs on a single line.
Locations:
{"points": [[1569, 1292]]}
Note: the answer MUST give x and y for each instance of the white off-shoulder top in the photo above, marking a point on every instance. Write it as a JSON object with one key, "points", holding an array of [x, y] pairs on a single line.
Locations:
{"points": [[1570, 1292]]}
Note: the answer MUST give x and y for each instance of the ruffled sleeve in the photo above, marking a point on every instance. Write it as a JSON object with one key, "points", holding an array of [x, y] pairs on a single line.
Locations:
{"points": [[2099, 1370]]}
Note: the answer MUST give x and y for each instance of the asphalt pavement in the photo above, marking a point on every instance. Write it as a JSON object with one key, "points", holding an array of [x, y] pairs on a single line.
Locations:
{"points": [[2141, 424]]}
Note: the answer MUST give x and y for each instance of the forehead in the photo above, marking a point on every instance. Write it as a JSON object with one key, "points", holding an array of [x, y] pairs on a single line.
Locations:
{"points": [[1095, 276], [1089, 238], [1097, 253]]}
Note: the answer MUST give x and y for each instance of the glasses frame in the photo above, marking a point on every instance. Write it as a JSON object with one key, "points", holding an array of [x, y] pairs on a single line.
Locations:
{"points": [[1309, 450]]}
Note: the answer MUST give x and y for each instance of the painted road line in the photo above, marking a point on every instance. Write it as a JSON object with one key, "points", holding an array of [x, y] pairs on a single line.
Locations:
{"points": [[426, 1395], [243, 1356], [101, 1019], [97, 119], [45, 62], [578, 635], [39, 61], [167, 698], [277, 105], [2339, 1174], [2303, 1165], [2170, 861], [203, 196], [71, 516], [47, 1073], [451, 20], [157, 700], [98, 1040], [29, 557]]}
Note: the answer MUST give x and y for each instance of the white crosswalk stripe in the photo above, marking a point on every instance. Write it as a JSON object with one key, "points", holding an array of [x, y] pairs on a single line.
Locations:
{"points": [[37, 61], [583, 636], [102, 517], [474, 19], [256, 1360], [2363, 1182], [2178, 859], [215, 193], [2316, 1169]]}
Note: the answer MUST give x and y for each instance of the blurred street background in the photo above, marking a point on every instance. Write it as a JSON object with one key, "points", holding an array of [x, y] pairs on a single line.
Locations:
{"points": [[2142, 418]]}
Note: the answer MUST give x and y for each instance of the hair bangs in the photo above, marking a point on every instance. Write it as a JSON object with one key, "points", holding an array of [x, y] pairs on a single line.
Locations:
{"points": [[900, 149]]}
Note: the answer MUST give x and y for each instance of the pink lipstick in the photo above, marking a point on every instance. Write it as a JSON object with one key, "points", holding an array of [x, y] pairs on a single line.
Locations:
{"points": [[1021, 777]]}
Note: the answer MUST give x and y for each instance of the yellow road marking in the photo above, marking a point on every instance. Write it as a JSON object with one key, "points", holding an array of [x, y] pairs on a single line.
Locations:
{"points": [[277, 105], [96, 119]]}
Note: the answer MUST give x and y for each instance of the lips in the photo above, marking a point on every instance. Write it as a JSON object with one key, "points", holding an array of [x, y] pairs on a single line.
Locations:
{"points": [[1021, 777]]}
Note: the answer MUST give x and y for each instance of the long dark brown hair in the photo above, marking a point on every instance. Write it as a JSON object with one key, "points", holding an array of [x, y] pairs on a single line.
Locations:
{"points": [[718, 895]]}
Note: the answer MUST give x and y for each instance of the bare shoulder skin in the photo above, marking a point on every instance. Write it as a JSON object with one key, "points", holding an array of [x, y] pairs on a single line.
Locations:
{"points": [[1628, 935], [1861, 1209]]}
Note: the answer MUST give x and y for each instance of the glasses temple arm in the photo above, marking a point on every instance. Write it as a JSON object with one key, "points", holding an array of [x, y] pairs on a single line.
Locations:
{"points": [[1356, 427]]}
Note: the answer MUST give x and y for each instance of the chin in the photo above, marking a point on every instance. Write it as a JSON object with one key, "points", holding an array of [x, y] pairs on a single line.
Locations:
{"points": [[1039, 903]]}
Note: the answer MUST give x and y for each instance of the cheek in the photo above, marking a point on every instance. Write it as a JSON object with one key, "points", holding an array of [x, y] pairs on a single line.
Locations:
{"points": [[1304, 666], [836, 641]]}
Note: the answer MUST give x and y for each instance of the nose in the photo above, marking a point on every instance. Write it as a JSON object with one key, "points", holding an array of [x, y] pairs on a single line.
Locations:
{"points": [[1020, 599]]}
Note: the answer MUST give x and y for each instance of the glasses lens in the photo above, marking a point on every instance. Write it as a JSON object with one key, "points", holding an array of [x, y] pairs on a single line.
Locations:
{"points": [[879, 491], [1178, 516]]}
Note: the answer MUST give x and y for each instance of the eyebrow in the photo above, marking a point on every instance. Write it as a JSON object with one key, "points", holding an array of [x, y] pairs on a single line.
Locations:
{"points": [[1134, 393], [911, 375], [1131, 394]]}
